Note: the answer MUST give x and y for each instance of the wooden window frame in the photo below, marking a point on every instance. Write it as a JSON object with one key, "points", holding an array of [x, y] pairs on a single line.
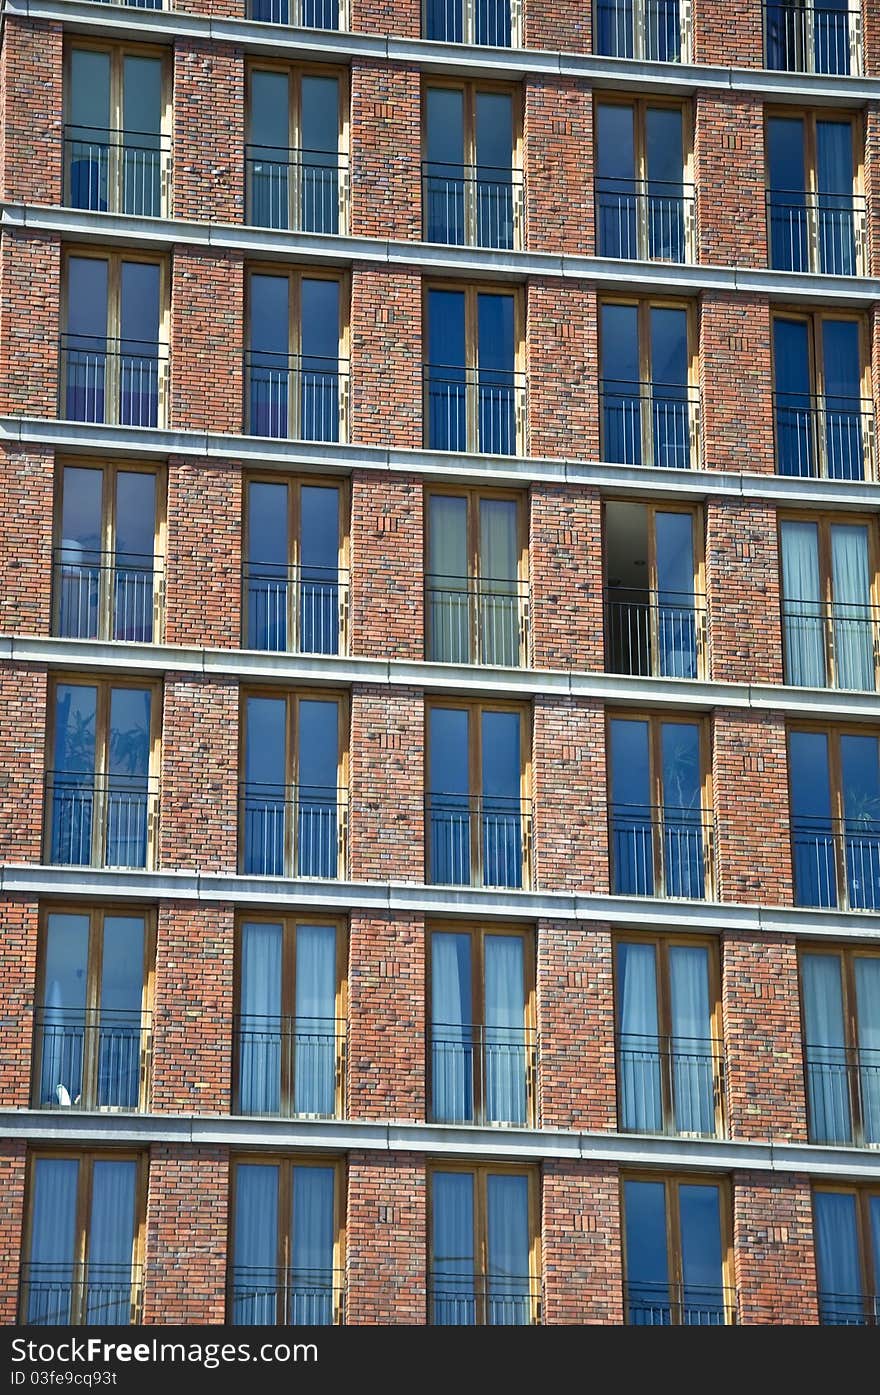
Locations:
{"points": [[810, 116], [640, 105], [470, 88], [643, 306], [847, 955], [863, 1193], [815, 321], [672, 1181], [833, 731]]}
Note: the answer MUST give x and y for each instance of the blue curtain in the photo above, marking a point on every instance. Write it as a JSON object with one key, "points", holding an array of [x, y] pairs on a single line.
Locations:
{"points": [[834, 160], [452, 1033], [702, 1299], [108, 1292], [261, 1027], [311, 1280], [867, 972], [255, 1278], [802, 605], [314, 1042], [452, 1276], [825, 1049], [50, 1272], [641, 1102], [693, 1061], [837, 1259], [505, 1053], [508, 1287]]}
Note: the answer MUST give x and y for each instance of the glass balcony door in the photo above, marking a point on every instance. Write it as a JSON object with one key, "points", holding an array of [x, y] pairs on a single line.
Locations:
{"points": [[293, 159], [830, 622], [282, 1271], [293, 367], [647, 415], [835, 814], [640, 192], [469, 22], [847, 1230], [111, 357], [841, 1023], [674, 1254], [481, 1244], [807, 37], [473, 587], [658, 824], [811, 195], [823, 421], [475, 805], [292, 573], [653, 623], [469, 196], [473, 391], [116, 151]]}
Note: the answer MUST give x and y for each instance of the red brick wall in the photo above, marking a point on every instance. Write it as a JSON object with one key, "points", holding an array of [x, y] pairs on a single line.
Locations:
{"points": [[209, 131], [26, 478], [569, 825], [386, 357], [749, 771], [558, 152], [735, 382], [576, 1080], [870, 38], [729, 169], [774, 1259], [386, 183], [31, 110], [18, 988], [562, 357], [402, 18], [193, 1009], [387, 780], [565, 563], [198, 813], [872, 186], [762, 1034], [549, 26], [234, 9], [581, 1243], [730, 34], [13, 1167], [386, 1018], [742, 581], [386, 1239], [207, 341], [22, 755], [203, 553], [387, 565], [187, 1224], [30, 280]]}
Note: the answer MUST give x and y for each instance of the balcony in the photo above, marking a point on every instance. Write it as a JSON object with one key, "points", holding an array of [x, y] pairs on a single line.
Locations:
{"points": [[295, 398], [101, 820], [92, 1058], [295, 610], [109, 170], [301, 14], [661, 851], [645, 220], [654, 634], [849, 1309], [482, 1075], [843, 1094], [824, 437], [493, 23], [670, 1085], [290, 1067], [293, 830], [802, 38], [477, 841], [679, 1305], [483, 1300], [285, 1298], [819, 233], [473, 206], [833, 646], [837, 862], [100, 596], [481, 411], [646, 29], [97, 1294], [300, 190], [653, 424], [476, 620], [114, 381]]}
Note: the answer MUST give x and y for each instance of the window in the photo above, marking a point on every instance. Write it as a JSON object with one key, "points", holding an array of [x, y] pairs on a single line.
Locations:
{"points": [[824, 415], [114, 349], [644, 206], [294, 796], [835, 817], [482, 1034], [676, 1253], [491, 22], [109, 540], [655, 604], [287, 1264], [803, 36], [102, 787], [92, 1017], [295, 580], [471, 192], [485, 1252], [303, 14], [840, 1006], [479, 822], [296, 369], [290, 1027], [296, 169], [84, 1240], [815, 207], [650, 410], [846, 1223], [669, 1043], [117, 144], [829, 582], [474, 391], [661, 810], [476, 588], [648, 29]]}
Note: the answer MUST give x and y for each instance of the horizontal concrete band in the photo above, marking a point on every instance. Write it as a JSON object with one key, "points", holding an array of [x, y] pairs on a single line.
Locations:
{"points": [[158, 26], [160, 234], [437, 1140], [471, 903]]}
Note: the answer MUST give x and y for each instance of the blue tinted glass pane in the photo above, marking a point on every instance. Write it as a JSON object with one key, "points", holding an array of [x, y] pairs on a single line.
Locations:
{"points": [[620, 343], [630, 767], [129, 751], [785, 153], [675, 555], [89, 96], [699, 1210], [495, 333], [452, 1240], [269, 111], [791, 356], [75, 706], [319, 544], [87, 298], [265, 740], [508, 1242], [142, 95], [446, 328], [320, 115], [139, 310], [669, 353], [680, 753], [444, 131], [494, 130], [320, 319], [269, 315], [318, 744], [615, 142], [810, 787], [841, 358], [837, 1259], [267, 524], [501, 754], [664, 146], [50, 1273], [449, 750], [647, 1274]]}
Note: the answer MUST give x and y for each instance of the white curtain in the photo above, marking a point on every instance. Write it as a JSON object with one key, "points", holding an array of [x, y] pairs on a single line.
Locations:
{"points": [[693, 1066], [867, 972], [499, 606], [641, 1101], [452, 1274], [802, 609], [53, 1241], [452, 1041], [311, 1283], [261, 1028], [837, 1257], [507, 1295], [448, 614], [315, 1027], [827, 1073], [505, 1055], [108, 1297], [255, 1273], [853, 631]]}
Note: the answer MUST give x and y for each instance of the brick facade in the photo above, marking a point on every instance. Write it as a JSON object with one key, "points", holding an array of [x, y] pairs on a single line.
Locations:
{"points": [[386, 1238], [774, 1260], [186, 1235], [386, 1018]]}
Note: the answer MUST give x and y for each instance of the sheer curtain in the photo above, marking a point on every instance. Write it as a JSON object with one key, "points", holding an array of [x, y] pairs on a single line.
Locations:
{"points": [[641, 1104], [311, 1294], [108, 1295], [853, 629], [802, 605], [448, 608], [505, 1053], [452, 1039], [837, 1258], [508, 1284], [693, 1065], [260, 1027], [314, 1039], [255, 1279], [867, 972], [834, 169], [827, 1074], [454, 1302], [499, 607], [53, 1241]]}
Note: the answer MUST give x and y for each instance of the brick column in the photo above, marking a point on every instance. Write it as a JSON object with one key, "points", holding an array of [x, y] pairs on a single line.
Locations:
{"points": [[223, 9], [26, 483], [386, 824], [729, 170], [209, 131], [562, 356], [558, 153], [30, 327], [207, 341], [386, 357], [22, 755], [576, 1081], [742, 581], [735, 382], [871, 38], [203, 553], [773, 1255], [193, 1009], [386, 1018], [569, 812], [872, 185], [187, 1225], [13, 1168], [32, 110], [552, 26], [18, 988], [581, 1243], [400, 18], [386, 1239], [731, 34], [565, 563], [750, 778], [386, 148], [198, 816], [387, 565]]}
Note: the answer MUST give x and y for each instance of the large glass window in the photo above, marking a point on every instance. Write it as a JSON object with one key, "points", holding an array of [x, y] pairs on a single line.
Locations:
{"points": [[471, 192], [835, 817], [488, 22], [815, 209], [840, 1001], [644, 206], [655, 606], [117, 144], [286, 1265], [485, 1261], [812, 36], [649, 29], [676, 1250], [831, 624], [474, 395], [295, 140], [296, 371], [295, 581], [475, 580], [824, 416], [846, 1223], [648, 406]]}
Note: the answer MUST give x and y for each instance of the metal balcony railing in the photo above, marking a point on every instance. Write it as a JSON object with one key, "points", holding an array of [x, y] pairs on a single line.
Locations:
{"points": [[289, 1066], [301, 14], [98, 1294], [477, 841], [831, 437], [843, 1094], [817, 232], [494, 23], [91, 1058], [295, 610], [646, 423], [479, 410], [303, 190], [101, 820], [472, 205], [661, 851], [679, 1305], [805, 38], [114, 381], [476, 620], [292, 830], [831, 646], [481, 1074], [652, 29], [647, 220], [670, 1084], [116, 171], [837, 862], [477, 1300], [295, 397], [849, 1309], [285, 1298], [661, 634], [99, 595]]}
